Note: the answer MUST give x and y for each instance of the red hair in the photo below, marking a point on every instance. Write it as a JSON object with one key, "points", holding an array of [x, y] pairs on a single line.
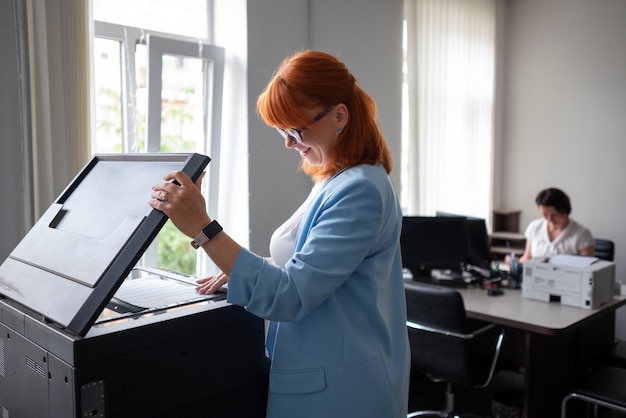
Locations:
{"points": [[311, 79]]}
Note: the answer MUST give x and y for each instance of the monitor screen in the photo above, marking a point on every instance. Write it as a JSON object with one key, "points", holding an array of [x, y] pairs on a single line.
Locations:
{"points": [[433, 242], [479, 250], [479, 247]]}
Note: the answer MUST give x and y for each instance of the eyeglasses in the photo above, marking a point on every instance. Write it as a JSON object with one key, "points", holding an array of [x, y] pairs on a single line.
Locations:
{"points": [[295, 135]]}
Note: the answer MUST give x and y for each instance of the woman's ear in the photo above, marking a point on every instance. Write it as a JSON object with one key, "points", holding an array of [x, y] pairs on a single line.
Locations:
{"points": [[341, 116]]}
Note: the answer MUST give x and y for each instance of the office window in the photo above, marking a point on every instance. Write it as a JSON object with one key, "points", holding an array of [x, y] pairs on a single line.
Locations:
{"points": [[448, 104], [159, 92]]}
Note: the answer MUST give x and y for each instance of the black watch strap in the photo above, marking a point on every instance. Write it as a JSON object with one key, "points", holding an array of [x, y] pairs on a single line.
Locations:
{"points": [[208, 233]]}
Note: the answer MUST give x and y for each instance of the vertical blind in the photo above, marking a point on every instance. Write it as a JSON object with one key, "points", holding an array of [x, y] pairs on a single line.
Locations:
{"points": [[450, 75]]}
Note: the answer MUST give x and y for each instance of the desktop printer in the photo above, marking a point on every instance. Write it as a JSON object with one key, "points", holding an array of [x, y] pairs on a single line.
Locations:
{"points": [[87, 332], [584, 282]]}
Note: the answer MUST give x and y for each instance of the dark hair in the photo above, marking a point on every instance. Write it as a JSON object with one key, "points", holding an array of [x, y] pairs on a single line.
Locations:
{"points": [[309, 79], [556, 198]]}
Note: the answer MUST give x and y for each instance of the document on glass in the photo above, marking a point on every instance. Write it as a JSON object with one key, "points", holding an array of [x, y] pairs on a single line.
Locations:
{"points": [[568, 260], [153, 291]]}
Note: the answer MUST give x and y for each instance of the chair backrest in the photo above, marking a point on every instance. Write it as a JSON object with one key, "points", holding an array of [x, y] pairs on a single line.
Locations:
{"points": [[605, 249], [440, 336], [435, 306]]}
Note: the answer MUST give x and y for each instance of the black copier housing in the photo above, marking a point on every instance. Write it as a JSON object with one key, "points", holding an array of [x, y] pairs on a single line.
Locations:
{"points": [[65, 351]]}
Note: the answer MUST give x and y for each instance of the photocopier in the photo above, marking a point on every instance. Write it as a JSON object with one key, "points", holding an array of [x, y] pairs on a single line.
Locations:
{"points": [[85, 332], [584, 282]]}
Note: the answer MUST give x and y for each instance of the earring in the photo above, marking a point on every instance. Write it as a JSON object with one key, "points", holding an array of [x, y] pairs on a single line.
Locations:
{"points": [[338, 129]]}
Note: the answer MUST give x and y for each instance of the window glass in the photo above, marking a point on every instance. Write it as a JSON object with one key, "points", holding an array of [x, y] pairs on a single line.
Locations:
{"points": [[181, 17], [182, 127], [108, 87], [120, 80], [182, 130], [117, 106]]}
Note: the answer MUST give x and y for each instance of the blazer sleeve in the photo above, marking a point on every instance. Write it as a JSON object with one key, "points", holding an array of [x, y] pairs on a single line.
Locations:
{"points": [[339, 231]]}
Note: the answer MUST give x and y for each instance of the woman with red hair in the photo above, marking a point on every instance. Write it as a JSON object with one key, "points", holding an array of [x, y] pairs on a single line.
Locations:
{"points": [[333, 290]]}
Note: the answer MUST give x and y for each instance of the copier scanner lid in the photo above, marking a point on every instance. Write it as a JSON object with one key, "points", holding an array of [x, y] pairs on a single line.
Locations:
{"points": [[69, 265]]}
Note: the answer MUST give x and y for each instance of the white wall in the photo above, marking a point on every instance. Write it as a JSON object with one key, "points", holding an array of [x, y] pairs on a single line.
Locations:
{"points": [[366, 35], [565, 113]]}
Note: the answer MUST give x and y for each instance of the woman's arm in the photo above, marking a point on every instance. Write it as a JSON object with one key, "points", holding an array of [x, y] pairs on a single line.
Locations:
{"points": [[527, 252], [184, 204], [589, 251]]}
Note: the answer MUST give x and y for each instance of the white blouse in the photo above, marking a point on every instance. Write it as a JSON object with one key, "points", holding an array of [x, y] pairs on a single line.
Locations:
{"points": [[571, 240], [282, 243]]}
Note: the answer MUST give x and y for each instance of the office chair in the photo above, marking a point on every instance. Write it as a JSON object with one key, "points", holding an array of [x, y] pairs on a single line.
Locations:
{"points": [[603, 387], [443, 343], [605, 249]]}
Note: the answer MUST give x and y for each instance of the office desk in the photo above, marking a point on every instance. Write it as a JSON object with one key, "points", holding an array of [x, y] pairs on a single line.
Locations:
{"points": [[553, 342]]}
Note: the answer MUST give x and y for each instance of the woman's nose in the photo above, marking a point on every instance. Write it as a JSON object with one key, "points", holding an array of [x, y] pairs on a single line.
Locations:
{"points": [[290, 142]]}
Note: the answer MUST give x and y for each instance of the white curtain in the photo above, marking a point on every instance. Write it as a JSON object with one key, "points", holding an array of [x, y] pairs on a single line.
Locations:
{"points": [[451, 79], [60, 83]]}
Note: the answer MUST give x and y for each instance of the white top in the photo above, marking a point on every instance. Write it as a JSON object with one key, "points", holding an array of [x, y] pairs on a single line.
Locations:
{"points": [[571, 240], [282, 242]]}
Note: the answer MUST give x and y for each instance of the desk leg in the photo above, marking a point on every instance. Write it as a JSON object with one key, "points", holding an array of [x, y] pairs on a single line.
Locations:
{"points": [[550, 369], [555, 362]]}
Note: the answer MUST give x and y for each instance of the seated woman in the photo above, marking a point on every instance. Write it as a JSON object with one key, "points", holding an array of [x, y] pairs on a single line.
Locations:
{"points": [[555, 233]]}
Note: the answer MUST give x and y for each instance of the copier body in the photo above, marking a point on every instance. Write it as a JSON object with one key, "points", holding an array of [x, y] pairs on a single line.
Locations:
{"points": [[69, 347], [205, 359]]}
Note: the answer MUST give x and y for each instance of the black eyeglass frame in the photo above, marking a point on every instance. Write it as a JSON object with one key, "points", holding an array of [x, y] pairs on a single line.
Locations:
{"points": [[295, 135]]}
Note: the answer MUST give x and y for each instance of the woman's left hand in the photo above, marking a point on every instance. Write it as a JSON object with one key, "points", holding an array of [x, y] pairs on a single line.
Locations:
{"points": [[210, 285]]}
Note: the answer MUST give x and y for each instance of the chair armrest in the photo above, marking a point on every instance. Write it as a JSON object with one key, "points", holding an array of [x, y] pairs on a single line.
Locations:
{"points": [[473, 334], [495, 343], [484, 329]]}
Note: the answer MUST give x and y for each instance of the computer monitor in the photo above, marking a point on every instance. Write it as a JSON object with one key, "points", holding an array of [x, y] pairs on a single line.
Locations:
{"points": [[433, 243], [479, 246]]}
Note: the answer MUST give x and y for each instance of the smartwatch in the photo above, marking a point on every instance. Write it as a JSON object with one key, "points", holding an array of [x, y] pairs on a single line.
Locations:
{"points": [[207, 234]]}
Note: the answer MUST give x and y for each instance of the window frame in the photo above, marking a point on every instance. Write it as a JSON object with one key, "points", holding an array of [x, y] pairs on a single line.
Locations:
{"points": [[159, 44]]}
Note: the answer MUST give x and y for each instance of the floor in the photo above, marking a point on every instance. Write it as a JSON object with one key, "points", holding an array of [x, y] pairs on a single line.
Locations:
{"points": [[501, 399]]}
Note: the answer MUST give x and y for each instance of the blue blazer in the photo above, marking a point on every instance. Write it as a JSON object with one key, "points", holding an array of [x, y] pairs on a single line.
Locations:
{"points": [[341, 347]]}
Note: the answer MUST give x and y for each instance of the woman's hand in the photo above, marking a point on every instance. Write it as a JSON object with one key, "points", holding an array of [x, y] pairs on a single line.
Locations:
{"points": [[182, 202], [513, 262], [508, 261], [210, 285]]}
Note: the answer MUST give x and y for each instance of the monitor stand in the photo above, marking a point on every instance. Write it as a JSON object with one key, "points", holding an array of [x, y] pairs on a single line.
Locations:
{"points": [[450, 278]]}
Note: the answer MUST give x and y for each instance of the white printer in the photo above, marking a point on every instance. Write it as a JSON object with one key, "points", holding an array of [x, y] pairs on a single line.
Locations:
{"points": [[584, 282]]}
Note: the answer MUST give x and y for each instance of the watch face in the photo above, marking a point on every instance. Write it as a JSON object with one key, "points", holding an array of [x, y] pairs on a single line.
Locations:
{"points": [[207, 234], [212, 229]]}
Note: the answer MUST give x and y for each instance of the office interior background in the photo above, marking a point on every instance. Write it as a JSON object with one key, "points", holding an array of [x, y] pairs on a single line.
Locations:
{"points": [[559, 109]]}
